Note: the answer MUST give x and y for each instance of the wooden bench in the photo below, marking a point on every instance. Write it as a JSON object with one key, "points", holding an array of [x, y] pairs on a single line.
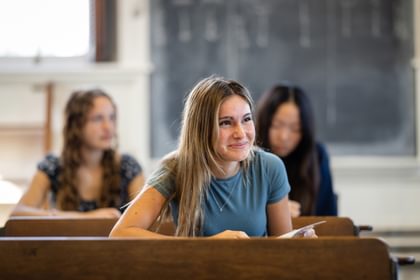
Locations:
{"points": [[199, 258], [334, 226], [56, 226]]}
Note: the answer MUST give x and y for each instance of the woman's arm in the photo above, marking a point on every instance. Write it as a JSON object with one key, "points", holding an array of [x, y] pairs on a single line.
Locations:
{"points": [[129, 165], [34, 198], [294, 208], [135, 186], [278, 217], [140, 215]]}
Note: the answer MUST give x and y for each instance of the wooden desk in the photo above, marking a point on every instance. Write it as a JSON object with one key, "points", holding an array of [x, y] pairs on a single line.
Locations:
{"points": [[198, 258], [334, 226], [56, 226]]}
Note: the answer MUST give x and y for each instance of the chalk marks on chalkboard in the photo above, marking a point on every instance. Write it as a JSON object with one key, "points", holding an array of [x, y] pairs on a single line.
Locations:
{"points": [[376, 18], [304, 25], [212, 1], [331, 83], [184, 20], [184, 26], [241, 32], [262, 39], [348, 9], [346, 21], [211, 31], [182, 2], [160, 33]]}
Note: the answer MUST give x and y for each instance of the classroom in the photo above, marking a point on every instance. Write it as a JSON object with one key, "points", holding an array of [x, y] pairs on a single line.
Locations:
{"points": [[359, 61]]}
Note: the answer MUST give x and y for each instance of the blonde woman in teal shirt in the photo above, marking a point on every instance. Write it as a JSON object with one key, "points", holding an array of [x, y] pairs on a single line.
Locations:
{"points": [[216, 183]]}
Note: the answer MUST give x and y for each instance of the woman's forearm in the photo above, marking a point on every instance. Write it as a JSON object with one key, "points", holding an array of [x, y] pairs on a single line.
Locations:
{"points": [[136, 232], [24, 210]]}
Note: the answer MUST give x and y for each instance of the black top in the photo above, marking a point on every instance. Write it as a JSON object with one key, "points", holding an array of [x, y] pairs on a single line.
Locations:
{"points": [[326, 202], [129, 168]]}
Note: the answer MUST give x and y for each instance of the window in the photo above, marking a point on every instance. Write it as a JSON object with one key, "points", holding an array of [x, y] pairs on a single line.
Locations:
{"points": [[44, 28], [51, 29]]}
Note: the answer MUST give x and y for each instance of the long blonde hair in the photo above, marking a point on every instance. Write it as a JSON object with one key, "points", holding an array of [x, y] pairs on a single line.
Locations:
{"points": [[192, 165]]}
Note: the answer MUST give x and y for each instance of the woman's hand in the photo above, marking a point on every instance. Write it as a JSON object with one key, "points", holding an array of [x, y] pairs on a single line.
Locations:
{"points": [[294, 208], [309, 233], [230, 234]]}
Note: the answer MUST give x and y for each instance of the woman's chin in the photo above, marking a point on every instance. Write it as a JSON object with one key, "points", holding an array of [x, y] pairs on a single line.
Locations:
{"points": [[281, 152]]}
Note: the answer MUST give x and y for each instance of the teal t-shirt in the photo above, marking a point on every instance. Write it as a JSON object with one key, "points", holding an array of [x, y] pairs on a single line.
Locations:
{"points": [[240, 202]]}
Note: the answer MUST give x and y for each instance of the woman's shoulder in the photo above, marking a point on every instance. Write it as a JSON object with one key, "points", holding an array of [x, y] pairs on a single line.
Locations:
{"points": [[127, 158], [50, 164], [260, 153], [266, 157], [129, 166], [322, 152]]}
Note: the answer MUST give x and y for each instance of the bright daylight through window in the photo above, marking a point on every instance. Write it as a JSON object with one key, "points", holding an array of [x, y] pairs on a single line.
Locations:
{"points": [[44, 28]]}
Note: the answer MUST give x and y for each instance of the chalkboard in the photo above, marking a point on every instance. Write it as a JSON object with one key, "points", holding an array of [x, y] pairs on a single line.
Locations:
{"points": [[351, 56]]}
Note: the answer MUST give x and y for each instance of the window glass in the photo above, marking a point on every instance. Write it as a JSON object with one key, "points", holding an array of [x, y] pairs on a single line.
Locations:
{"points": [[44, 28]]}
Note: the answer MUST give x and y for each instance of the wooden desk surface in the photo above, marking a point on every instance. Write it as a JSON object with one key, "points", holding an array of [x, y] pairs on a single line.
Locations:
{"points": [[58, 226]]}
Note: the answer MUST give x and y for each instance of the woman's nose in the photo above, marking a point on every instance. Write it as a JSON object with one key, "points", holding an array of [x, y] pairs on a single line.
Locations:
{"points": [[284, 134], [108, 124], [239, 131]]}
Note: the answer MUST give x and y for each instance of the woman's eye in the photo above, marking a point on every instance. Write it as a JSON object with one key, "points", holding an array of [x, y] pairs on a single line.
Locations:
{"points": [[96, 118], [224, 123], [248, 119], [295, 129]]}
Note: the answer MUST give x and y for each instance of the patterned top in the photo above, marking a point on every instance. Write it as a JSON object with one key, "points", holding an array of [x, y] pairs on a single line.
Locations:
{"points": [[129, 169]]}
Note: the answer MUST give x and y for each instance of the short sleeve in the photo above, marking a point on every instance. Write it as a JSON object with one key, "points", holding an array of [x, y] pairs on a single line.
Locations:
{"points": [[130, 167], [276, 175], [50, 165], [162, 182]]}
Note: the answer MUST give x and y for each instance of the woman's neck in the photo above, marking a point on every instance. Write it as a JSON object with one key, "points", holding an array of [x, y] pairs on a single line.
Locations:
{"points": [[91, 157], [228, 169]]}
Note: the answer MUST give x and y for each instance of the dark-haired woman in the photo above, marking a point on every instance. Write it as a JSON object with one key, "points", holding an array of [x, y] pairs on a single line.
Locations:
{"points": [[285, 126]]}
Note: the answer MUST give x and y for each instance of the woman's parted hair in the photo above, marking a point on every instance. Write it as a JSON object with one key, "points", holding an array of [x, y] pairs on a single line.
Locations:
{"points": [[76, 113], [301, 164], [192, 165], [200, 123]]}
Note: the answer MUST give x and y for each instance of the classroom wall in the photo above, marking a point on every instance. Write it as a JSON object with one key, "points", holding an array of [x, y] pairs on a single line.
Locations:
{"points": [[377, 191]]}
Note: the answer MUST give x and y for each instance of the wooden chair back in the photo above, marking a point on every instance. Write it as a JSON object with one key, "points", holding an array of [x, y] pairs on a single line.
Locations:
{"points": [[334, 226], [57, 226], [194, 258]]}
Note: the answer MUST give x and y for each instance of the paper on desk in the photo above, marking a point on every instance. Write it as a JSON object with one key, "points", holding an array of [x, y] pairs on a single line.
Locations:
{"points": [[300, 231]]}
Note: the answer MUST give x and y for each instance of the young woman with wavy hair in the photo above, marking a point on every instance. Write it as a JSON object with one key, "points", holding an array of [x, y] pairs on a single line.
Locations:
{"points": [[89, 179], [216, 183]]}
